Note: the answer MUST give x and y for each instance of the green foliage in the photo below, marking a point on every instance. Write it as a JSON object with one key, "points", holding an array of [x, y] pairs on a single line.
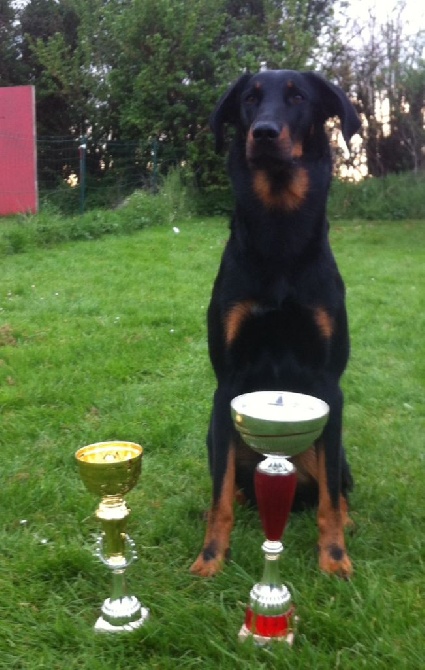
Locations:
{"points": [[154, 69], [394, 197], [106, 340], [10, 65], [390, 198], [180, 56], [51, 227], [163, 79], [62, 50]]}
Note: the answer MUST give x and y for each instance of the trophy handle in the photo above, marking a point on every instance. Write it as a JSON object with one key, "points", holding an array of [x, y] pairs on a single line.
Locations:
{"points": [[118, 561]]}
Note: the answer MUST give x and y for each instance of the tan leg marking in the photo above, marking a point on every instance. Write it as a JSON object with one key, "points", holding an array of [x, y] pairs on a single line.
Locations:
{"points": [[235, 318], [333, 557], [324, 322], [219, 526]]}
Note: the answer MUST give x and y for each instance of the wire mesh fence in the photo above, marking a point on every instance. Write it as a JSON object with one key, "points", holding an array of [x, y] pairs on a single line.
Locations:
{"points": [[75, 173]]}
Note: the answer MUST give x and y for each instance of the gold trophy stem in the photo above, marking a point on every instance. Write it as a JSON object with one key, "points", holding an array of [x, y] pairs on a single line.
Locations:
{"points": [[112, 513]]}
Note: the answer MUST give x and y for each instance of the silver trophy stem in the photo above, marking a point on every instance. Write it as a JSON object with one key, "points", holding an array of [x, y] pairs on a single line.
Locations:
{"points": [[270, 597], [121, 612], [270, 610], [276, 464]]}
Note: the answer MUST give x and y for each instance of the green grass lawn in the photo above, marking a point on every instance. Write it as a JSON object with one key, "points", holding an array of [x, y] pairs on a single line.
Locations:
{"points": [[106, 339]]}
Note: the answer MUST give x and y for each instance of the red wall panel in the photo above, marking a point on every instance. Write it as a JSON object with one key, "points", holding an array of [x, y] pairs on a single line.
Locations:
{"points": [[18, 152]]}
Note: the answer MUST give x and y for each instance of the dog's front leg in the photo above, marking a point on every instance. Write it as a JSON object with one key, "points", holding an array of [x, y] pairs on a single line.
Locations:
{"points": [[219, 526], [220, 517], [332, 513]]}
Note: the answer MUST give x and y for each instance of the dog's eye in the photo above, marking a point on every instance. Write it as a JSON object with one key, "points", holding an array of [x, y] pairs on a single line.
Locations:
{"points": [[251, 99], [296, 98]]}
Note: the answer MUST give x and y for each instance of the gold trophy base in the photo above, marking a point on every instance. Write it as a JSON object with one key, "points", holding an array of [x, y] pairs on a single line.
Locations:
{"points": [[122, 615]]}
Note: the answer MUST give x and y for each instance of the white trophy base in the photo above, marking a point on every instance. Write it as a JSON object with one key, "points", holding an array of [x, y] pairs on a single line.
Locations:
{"points": [[121, 616]]}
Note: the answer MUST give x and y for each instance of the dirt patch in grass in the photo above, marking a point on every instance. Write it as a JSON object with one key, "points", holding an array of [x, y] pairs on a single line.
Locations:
{"points": [[7, 337]]}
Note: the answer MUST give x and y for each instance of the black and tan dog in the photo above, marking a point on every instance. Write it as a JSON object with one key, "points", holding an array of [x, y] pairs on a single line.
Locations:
{"points": [[277, 318]]}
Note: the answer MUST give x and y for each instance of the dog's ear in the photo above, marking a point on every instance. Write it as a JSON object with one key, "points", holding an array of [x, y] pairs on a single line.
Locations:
{"points": [[335, 103], [227, 110]]}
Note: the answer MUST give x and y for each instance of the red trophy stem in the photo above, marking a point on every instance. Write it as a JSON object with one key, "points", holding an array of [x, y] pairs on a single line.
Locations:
{"points": [[275, 494]]}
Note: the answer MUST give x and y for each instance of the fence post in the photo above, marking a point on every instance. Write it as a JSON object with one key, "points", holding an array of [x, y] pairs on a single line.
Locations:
{"points": [[155, 164], [82, 150]]}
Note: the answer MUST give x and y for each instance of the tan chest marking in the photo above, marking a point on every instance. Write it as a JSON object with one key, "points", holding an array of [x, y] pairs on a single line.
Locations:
{"points": [[289, 198]]}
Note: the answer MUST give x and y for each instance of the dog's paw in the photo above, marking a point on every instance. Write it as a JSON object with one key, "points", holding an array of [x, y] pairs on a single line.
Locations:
{"points": [[206, 568], [334, 560], [210, 561]]}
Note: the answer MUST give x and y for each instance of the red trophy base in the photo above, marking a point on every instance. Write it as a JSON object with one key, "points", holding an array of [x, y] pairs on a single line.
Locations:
{"points": [[264, 629]]}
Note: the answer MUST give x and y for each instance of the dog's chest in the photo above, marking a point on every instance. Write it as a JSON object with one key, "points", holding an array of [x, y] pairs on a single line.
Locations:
{"points": [[260, 332]]}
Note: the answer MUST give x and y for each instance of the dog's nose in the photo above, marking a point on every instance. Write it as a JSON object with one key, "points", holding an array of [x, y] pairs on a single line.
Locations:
{"points": [[265, 130]]}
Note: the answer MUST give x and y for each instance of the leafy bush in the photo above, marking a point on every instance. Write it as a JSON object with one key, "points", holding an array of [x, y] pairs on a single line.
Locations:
{"points": [[50, 227], [390, 198]]}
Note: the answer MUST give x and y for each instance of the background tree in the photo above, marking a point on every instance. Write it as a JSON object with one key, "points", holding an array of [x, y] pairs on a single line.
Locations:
{"points": [[384, 69], [178, 56], [11, 71], [412, 131], [59, 50]]}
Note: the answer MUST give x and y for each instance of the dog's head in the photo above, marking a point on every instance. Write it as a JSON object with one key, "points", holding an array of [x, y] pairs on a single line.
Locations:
{"points": [[280, 113]]}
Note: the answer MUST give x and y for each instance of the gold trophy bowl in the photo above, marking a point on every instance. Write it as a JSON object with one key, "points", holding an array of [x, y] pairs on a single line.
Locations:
{"points": [[110, 470]]}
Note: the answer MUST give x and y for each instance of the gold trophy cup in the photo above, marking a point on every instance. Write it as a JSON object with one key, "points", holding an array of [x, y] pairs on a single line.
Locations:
{"points": [[110, 470]]}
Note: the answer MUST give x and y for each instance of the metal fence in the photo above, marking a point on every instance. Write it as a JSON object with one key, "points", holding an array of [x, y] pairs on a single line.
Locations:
{"points": [[75, 172]]}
